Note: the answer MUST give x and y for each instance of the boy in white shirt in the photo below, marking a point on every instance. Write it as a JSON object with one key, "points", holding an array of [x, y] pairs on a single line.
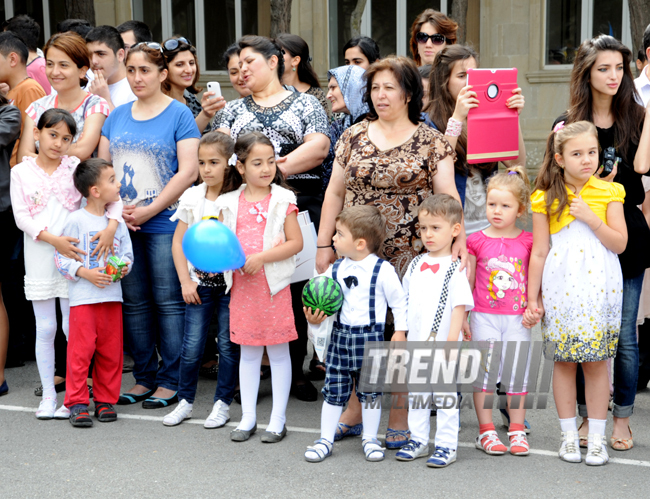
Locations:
{"points": [[438, 297], [369, 285]]}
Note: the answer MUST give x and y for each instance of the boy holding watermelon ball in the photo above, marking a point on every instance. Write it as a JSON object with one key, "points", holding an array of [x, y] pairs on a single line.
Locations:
{"points": [[95, 296], [369, 286]]}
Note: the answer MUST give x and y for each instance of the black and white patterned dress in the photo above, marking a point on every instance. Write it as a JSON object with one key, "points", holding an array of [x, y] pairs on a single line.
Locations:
{"points": [[286, 125]]}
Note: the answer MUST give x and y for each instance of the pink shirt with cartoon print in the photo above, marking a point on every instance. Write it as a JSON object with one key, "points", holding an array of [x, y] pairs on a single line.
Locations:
{"points": [[501, 280]]}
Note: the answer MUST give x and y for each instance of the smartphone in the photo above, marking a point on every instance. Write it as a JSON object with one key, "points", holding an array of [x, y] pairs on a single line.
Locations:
{"points": [[492, 127], [213, 86]]}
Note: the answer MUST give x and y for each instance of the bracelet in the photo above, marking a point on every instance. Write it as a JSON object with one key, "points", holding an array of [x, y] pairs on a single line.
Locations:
{"points": [[601, 223], [454, 128], [322, 247]]}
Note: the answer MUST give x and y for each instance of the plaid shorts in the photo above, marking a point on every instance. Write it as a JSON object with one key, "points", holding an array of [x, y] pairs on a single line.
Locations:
{"points": [[343, 362]]}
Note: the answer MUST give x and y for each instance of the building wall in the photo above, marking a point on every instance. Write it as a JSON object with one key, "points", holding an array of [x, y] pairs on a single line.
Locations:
{"points": [[512, 35], [506, 33]]}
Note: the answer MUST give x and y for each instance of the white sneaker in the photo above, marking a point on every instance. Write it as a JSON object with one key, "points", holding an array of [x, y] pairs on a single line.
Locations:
{"points": [[62, 413], [219, 416], [597, 450], [46, 409], [570, 448], [182, 412], [412, 450]]}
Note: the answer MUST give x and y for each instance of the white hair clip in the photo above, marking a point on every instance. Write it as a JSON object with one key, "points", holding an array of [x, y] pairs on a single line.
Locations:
{"points": [[233, 160]]}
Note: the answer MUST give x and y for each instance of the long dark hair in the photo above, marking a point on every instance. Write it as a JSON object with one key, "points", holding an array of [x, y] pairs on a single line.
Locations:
{"points": [[438, 20], [442, 104], [296, 46], [232, 179], [367, 45], [170, 55], [628, 114]]}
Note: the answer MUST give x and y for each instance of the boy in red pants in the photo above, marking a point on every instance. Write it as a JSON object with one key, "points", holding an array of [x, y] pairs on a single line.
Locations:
{"points": [[95, 296]]}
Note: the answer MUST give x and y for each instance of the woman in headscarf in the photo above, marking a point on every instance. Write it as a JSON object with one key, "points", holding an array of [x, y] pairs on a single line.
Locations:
{"points": [[345, 91]]}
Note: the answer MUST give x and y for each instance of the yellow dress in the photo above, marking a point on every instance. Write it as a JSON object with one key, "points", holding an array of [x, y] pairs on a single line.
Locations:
{"points": [[582, 283]]}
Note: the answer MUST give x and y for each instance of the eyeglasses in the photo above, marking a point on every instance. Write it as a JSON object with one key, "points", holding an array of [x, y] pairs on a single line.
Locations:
{"points": [[151, 45], [436, 39], [174, 43]]}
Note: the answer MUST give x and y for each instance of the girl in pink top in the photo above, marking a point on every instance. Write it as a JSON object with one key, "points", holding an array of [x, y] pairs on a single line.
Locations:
{"points": [[498, 265], [262, 212], [42, 196]]}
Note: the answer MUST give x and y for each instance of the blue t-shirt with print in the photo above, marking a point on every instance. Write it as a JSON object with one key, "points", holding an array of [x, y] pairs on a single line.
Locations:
{"points": [[144, 156]]}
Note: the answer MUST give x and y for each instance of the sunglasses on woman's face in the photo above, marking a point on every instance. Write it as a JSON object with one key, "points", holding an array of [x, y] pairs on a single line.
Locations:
{"points": [[174, 43], [436, 39], [151, 45]]}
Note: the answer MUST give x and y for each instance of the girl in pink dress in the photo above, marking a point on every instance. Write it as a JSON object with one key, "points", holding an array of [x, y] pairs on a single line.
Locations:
{"points": [[262, 212]]}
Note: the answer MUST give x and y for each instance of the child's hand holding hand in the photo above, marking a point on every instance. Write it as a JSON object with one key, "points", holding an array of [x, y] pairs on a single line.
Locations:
{"points": [[64, 245], [97, 276], [253, 263], [581, 211], [532, 315], [190, 295], [399, 336], [315, 317], [467, 333]]}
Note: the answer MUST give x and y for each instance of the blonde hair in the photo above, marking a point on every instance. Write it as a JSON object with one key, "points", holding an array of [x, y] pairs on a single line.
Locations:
{"points": [[550, 179], [515, 180]]}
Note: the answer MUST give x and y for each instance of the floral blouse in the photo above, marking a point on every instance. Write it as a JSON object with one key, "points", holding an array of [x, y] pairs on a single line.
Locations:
{"points": [[396, 181]]}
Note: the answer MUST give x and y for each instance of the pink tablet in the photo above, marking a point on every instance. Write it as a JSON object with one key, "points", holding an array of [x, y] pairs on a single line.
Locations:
{"points": [[492, 127]]}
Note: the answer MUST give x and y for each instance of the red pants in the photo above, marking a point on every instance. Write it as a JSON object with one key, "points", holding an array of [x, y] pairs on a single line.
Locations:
{"points": [[94, 330]]}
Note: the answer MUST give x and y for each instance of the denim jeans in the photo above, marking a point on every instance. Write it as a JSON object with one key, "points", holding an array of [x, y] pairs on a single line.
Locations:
{"points": [[154, 311], [626, 363], [197, 322]]}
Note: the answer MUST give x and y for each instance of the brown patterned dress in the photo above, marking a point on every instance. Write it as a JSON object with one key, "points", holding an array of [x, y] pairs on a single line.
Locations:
{"points": [[396, 181]]}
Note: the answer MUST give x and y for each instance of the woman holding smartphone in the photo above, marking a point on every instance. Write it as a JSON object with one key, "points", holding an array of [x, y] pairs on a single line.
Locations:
{"points": [[182, 61], [298, 127]]}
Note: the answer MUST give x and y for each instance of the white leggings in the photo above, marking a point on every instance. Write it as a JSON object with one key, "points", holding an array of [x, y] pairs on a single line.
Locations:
{"points": [[249, 384], [45, 313]]}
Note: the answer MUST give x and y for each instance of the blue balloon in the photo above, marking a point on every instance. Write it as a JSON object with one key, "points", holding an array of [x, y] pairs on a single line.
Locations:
{"points": [[212, 247]]}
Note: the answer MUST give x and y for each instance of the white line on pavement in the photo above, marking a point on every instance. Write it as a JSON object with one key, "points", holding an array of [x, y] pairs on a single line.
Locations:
{"points": [[299, 429]]}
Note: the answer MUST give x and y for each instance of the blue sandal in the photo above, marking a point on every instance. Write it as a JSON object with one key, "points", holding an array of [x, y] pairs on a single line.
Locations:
{"points": [[343, 430], [159, 403], [397, 444]]}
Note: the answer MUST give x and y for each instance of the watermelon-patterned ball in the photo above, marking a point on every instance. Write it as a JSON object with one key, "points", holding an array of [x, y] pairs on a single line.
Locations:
{"points": [[323, 293]]}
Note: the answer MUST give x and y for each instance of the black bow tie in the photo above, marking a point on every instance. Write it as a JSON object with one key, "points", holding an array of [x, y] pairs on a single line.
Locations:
{"points": [[351, 281]]}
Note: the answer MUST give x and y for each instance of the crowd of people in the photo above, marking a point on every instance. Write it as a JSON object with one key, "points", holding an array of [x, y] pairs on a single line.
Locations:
{"points": [[108, 157]]}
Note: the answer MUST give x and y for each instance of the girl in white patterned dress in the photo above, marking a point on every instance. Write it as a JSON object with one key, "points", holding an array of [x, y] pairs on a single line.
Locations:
{"points": [[582, 284]]}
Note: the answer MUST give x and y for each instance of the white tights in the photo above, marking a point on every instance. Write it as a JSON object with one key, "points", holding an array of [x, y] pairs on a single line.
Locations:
{"points": [[45, 313], [249, 381]]}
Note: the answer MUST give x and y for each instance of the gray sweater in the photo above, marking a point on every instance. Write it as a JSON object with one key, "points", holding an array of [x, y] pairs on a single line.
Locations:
{"points": [[83, 225]]}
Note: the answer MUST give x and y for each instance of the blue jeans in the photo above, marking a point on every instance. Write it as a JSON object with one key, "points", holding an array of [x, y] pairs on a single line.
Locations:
{"points": [[154, 311], [626, 363], [197, 323]]}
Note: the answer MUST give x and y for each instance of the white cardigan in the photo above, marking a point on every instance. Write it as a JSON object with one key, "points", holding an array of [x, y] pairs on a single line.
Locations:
{"points": [[278, 274], [193, 201]]}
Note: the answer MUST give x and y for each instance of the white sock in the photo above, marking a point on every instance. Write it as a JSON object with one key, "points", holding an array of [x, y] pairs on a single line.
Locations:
{"points": [[249, 384], [280, 361], [45, 314], [569, 424], [329, 420], [597, 426], [371, 417]]}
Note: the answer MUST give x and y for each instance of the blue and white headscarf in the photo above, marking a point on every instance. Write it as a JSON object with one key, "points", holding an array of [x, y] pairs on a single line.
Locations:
{"points": [[353, 86]]}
